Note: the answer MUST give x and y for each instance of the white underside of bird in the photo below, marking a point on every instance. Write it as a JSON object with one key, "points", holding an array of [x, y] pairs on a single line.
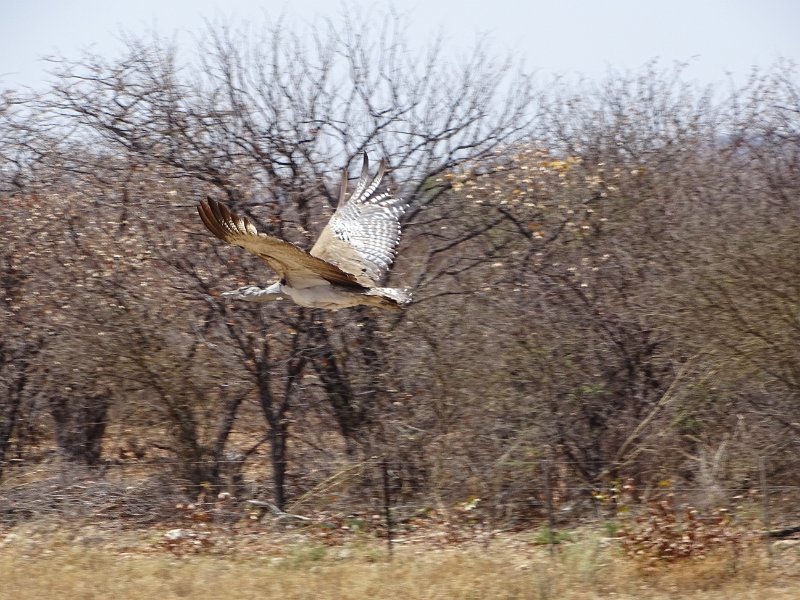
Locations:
{"points": [[345, 265], [327, 296]]}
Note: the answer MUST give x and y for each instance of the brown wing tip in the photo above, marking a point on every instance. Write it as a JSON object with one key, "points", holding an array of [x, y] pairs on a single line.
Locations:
{"points": [[222, 222], [208, 209]]}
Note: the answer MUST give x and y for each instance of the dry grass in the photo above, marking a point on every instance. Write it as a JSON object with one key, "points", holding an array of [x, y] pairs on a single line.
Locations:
{"points": [[41, 562]]}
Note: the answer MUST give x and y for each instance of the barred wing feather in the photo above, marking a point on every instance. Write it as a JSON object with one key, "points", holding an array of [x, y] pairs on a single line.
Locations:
{"points": [[362, 236]]}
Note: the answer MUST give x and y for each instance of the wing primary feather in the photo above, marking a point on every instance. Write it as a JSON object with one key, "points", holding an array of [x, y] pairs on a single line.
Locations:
{"points": [[343, 188], [362, 181], [207, 216], [222, 216], [375, 182]]}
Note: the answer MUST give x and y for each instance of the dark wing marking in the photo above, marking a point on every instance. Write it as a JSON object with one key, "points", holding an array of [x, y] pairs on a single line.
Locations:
{"points": [[295, 265]]}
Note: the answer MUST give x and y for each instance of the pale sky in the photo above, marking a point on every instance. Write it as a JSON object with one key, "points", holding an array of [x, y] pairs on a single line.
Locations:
{"points": [[568, 37]]}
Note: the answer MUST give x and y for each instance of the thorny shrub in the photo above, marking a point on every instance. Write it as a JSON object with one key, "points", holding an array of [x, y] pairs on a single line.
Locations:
{"points": [[666, 531]]}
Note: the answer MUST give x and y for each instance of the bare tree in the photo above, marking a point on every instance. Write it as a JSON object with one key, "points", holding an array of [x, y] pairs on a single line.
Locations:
{"points": [[263, 120]]}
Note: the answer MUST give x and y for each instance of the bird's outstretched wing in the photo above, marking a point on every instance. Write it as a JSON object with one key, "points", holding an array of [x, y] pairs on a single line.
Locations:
{"points": [[363, 233], [293, 264]]}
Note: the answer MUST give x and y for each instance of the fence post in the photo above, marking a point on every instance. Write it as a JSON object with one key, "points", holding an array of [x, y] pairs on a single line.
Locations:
{"points": [[387, 506], [762, 468], [548, 492]]}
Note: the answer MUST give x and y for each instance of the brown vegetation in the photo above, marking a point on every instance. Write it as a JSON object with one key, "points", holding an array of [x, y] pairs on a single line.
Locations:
{"points": [[94, 563], [606, 282]]}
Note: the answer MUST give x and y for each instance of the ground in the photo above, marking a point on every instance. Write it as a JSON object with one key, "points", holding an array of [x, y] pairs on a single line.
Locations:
{"points": [[52, 560]]}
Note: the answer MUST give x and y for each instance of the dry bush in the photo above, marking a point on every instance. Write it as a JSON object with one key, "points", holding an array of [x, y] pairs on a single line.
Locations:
{"points": [[61, 492], [665, 532]]}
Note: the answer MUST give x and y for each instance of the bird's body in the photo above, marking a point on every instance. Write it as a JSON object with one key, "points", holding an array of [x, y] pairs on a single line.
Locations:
{"points": [[330, 296], [345, 265]]}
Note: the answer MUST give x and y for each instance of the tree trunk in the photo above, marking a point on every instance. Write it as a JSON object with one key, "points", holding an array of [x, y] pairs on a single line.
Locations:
{"points": [[277, 438], [8, 424], [81, 426], [275, 412], [223, 433], [14, 396]]}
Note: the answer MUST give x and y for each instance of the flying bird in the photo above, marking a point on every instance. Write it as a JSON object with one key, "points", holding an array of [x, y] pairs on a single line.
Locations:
{"points": [[346, 264]]}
